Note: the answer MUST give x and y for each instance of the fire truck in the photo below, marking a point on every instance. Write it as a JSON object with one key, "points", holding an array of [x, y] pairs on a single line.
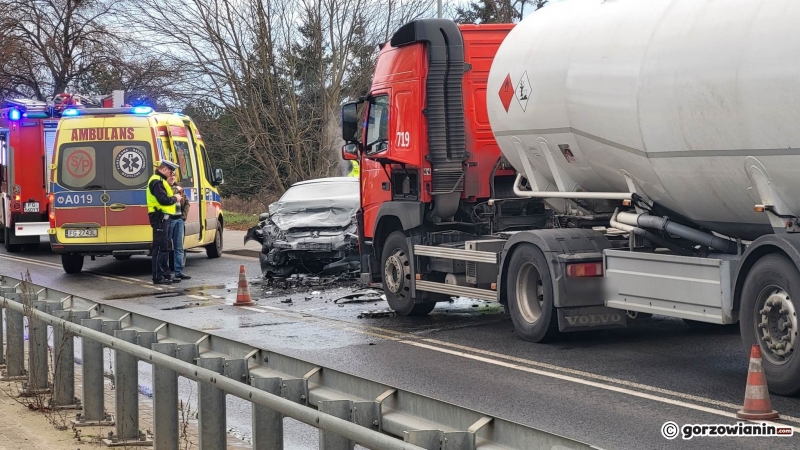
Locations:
{"points": [[27, 135]]}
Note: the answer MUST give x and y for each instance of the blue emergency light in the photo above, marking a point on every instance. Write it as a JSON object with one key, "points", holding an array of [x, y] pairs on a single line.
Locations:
{"points": [[70, 112], [14, 114], [142, 110]]}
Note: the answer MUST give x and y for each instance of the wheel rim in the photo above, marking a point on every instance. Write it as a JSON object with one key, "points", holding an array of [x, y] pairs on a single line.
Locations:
{"points": [[218, 239], [396, 271], [776, 324], [530, 293]]}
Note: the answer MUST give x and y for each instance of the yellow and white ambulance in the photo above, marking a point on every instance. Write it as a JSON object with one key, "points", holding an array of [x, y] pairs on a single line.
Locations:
{"points": [[102, 161]]}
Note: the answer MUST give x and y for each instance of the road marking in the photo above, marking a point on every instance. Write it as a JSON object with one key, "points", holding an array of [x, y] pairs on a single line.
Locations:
{"points": [[410, 338], [106, 276], [576, 380]]}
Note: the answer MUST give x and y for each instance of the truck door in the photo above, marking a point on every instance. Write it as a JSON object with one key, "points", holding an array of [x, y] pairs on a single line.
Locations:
{"points": [[375, 184]]}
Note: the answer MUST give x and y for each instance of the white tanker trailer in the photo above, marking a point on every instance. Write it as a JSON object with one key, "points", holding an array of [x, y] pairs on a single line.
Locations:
{"points": [[662, 135], [691, 106]]}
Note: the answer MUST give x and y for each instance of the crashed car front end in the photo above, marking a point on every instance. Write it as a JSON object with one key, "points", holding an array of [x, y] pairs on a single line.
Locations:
{"points": [[307, 237]]}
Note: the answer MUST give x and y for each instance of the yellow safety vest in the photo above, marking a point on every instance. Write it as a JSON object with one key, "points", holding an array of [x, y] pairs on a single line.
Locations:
{"points": [[152, 202], [355, 171]]}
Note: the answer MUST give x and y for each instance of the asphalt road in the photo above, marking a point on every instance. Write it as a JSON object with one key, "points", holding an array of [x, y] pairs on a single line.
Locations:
{"points": [[613, 389]]}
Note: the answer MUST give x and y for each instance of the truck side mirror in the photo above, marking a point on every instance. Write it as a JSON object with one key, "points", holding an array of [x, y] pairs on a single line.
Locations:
{"points": [[350, 151], [350, 122], [218, 177]]}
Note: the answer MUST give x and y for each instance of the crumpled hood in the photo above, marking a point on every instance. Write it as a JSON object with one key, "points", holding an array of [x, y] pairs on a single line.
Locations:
{"points": [[337, 212]]}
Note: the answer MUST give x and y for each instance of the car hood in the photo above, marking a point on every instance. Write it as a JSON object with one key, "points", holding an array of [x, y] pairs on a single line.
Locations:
{"points": [[335, 212]]}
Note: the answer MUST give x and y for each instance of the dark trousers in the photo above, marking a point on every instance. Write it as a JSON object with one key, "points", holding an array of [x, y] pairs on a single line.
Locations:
{"points": [[162, 244]]}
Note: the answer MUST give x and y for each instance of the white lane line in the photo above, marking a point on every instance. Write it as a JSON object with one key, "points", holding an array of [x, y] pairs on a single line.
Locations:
{"points": [[644, 387], [250, 308], [559, 376], [581, 373], [196, 297], [32, 261], [109, 277]]}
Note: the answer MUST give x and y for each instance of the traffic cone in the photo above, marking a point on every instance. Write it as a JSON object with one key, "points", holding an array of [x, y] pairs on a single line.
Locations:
{"points": [[757, 405], [243, 293]]}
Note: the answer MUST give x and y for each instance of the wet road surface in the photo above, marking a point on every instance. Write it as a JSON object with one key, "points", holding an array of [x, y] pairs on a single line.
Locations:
{"points": [[613, 389]]}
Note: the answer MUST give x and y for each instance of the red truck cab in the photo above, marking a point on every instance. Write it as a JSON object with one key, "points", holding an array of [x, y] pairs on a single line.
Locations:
{"points": [[425, 146], [27, 136]]}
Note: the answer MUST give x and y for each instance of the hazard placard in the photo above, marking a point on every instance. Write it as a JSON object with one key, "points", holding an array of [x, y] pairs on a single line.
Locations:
{"points": [[523, 91]]}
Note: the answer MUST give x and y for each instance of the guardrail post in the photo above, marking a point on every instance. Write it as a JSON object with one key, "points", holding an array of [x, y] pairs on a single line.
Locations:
{"points": [[267, 423], [126, 401], [211, 409], [428, 439], [92, 392], [165, 401], [37, 353], [64, 363], [3, 292], [15, 345], [329, 440]]}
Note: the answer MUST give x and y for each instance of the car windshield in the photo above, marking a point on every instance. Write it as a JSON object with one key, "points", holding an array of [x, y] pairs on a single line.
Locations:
{"points": [[116, 165], [311, 191]]}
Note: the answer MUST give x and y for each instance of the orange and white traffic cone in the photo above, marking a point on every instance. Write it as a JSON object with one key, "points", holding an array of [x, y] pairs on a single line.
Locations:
{"points": [[757, 405], [243, 293]]}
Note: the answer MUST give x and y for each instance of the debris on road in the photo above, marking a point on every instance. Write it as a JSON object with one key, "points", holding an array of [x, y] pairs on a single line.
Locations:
{"points": [[288, 300], [360, 296], [376, 314]]}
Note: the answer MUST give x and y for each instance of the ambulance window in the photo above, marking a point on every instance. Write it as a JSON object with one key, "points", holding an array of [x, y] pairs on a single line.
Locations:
{"points": [[207, 164], [78, 167], [184, 161], [378, 124], [104, 165]]}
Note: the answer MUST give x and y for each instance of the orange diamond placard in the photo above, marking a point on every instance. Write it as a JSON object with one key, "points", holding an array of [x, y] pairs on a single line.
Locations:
{"points": [[507, 92]]}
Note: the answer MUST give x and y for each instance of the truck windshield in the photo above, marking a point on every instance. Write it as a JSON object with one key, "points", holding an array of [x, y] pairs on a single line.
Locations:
{"points": [[378, 125], [89, 166]]}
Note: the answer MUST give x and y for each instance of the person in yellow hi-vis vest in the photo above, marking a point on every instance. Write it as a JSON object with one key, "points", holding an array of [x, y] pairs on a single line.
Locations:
{"points": [[355, 170], [161, 206]]}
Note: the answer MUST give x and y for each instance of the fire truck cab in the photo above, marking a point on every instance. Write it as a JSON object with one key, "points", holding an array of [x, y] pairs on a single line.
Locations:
{"points": [[27, 136]]}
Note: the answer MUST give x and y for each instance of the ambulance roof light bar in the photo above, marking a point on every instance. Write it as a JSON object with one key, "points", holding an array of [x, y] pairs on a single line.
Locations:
{"points": [[137, 110]]}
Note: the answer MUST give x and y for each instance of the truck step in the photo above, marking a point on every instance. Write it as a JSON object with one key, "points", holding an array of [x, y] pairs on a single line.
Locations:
{"points": [[454, 253], [453, 290]]}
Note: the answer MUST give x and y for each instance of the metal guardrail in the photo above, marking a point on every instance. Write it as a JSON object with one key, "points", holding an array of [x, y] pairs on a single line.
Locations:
{"points": [[345, 408]]}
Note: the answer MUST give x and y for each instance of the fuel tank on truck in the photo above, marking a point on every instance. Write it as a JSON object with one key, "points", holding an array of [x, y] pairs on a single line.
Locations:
{"points": [[694, 104]]}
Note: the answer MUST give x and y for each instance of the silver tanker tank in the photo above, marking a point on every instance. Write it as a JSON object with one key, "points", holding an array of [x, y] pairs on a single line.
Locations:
{"points": [[694, 104]]}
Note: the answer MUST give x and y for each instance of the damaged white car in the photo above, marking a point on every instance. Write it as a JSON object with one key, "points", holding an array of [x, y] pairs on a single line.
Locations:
{"points": [[311, 229]]}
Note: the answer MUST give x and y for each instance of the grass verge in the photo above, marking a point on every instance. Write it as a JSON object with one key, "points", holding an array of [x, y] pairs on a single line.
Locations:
{"points": [[239, 221]]}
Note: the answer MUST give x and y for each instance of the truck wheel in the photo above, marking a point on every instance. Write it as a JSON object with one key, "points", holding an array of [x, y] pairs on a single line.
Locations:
{"points": [[10, 248], [768, 317], [396, 263], [214, 249], [72, 263], [530, 295]]}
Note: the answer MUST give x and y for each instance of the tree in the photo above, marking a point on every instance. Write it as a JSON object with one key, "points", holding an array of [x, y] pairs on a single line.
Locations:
{"points": [[49, 44], [496, 11]]}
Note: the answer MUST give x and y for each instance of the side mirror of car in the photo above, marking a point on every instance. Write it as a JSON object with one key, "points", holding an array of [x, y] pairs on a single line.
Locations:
{"points": [[218, 177], [263, 216], [350, 151]]}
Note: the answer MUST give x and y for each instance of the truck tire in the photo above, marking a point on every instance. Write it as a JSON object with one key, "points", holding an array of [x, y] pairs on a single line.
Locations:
{"points": [[10, 248], [214, 249], [396, 266], [530, 295], [767, 301], [72, 263]]}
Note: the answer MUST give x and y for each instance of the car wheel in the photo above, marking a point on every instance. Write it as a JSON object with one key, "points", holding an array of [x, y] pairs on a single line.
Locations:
{"points": [[214, 249], [396, 263], [768, 318], [530, 295], [72, 263]]}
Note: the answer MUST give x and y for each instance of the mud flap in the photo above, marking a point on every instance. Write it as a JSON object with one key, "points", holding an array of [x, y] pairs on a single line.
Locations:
{"points": [[590, 318]]}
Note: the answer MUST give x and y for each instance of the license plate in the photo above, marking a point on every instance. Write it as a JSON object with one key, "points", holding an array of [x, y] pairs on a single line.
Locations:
{"points": [[31, 207], [81, 233]]}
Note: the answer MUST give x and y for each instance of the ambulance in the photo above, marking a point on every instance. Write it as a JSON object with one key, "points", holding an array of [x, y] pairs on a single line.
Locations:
{"points": [[103, 159]]}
